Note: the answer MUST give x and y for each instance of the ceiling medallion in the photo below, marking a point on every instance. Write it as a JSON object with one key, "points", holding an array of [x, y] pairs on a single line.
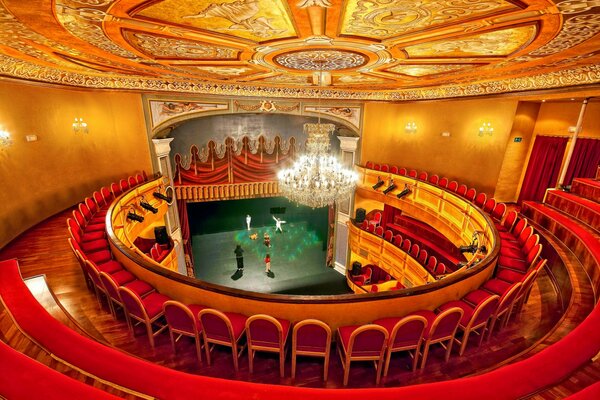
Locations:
{"points": [[315, 60]]}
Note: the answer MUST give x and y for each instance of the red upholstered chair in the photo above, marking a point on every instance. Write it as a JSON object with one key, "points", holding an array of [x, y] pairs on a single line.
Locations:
{"points": [[443, 182], [377, 167], [489, 205], [453, 186], [107, 195], [94, 208], [516, 231], [183, 320], [369, 165], [519, 241], [139, 178], [414, 251], [147, 311], [431, 264], [364, 225], [434, 179], [405, 334], [365, 277], [422, 176], [398, 240], [99, 199], [131, 181], [145, 176], [388, 235], [528, 282], [505, 306], [441, 328], [376, 219], [111, 284], [462, 190], [362, 343], [374, 289], [124, 185], [394, 169], [413, 173], [402, 171], [440, 269], [312, 338], [89, 216], [266, 333], [406, 244], [499, 211], [225, 329], [385, 168], [97, 286], [508, 223], [101, 258], [480, 199], [474, 318], [520, 252], [84, 237], [422, 257], [521, 266], [115, 189], [379, 231], [471, 194], [371, 228]]}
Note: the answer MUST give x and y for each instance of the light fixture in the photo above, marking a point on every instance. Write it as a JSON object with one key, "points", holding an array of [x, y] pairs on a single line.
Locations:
{"points": [[317, 178], [80, 126], [486, 127], [410, 128], [5, 139], [132, 216], [147, 206]]}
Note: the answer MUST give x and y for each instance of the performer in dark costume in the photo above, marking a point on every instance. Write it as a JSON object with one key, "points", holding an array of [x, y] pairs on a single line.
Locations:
{"points": [[239, 257]]}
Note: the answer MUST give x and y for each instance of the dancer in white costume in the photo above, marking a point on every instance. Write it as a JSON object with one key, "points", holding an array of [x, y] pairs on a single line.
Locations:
{"points": [[248, 220], [278, 223]]}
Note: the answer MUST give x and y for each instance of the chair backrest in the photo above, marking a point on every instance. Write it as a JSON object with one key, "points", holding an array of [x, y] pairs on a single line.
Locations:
{"points": [[377, 167], [377, 217], [525, 234], [422, 176], [531, 241], [533, 254], [124, 185], [132, 303], [374, 289], [462, 190], [520, 225], [394, 169], [75, 235], [432, 264], [402, 171], [79, 218], [398, 240], [85, 211], [369, 164], [453, 186], [379, 230], [179, 317], [434, 179], [406, 245], [93, 273], [413, 173], [367, 273], [215, 324], [483, 311], [480, 199], [440, 269], [422, 258], [470, 195], [388, 235], [106, 194], [145, 176], [414, 250], [110, 286], [445, 323], [509, 297], [73, 226], [489, 205], [530, 278], [371, 228], [499, 211], [367, 340], [443, 182], [408, 331], [139, 178], [116, 189], [99, 199], [364, 225], [509, 221], [311, 335], [131, 181], [385, 168], [91, 204]]}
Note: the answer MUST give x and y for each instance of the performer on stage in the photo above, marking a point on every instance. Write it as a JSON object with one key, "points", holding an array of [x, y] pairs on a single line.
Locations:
{"points": [[267, 264], [267, 239], [239, 257], [278, 223], [248, 220]]}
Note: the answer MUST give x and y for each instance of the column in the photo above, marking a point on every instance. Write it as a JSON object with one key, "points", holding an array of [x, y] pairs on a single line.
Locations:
{"points": [[162, 149], [348, 147]]}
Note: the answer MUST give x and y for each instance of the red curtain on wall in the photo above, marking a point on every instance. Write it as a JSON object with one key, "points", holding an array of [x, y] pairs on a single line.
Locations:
{"points": [[389, 214], [543, 168], [584, 161], [185, 230]]}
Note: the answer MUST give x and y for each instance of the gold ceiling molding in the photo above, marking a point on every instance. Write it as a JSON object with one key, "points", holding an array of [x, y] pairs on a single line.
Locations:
{"points": [[162, 111]]}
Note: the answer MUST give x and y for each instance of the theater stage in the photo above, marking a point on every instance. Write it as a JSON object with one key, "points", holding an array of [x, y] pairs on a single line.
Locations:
{"points": [[297, 254]]}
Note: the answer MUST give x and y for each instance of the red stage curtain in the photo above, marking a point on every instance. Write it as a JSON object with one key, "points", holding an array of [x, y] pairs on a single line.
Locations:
{"points": [[185, 229], [389, 213], [543, 168], [584, 161]]}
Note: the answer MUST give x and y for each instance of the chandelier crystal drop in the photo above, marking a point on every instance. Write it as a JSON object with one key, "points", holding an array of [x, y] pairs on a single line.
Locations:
{"points": [[317, 179]]}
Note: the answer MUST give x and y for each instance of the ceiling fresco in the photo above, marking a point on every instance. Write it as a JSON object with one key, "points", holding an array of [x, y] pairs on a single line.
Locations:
{"points": [[351, 49]]}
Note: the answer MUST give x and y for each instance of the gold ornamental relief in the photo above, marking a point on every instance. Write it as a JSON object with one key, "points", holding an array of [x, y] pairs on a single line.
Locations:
{"points": [[257, 20], [382, 19], [419, 70], [492, 44]]}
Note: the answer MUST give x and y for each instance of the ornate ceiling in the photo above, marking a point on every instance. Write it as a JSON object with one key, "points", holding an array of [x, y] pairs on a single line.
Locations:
{"points": [[358, 49]]}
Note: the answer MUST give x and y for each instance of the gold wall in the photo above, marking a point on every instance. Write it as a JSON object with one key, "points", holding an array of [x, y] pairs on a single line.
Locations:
{"points": [[39, 179], [465, 156]]}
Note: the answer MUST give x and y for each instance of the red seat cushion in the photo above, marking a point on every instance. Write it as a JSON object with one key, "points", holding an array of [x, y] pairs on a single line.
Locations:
{"points": [[153, 304], [507, 236], [99, 257], [514, 264], [476, 296], [92, 236], [94, 228], [139, 287], [510, 276], [238, 322], [110, 266], [369, 341], [429, 316], [512, 252], [467, 310], [407, 335], [195, 309], [95, 245], [122, 277], [497, 286]]}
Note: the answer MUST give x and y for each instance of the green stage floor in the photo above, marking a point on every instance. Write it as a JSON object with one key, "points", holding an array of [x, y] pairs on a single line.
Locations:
{"points": [[297, 262]]}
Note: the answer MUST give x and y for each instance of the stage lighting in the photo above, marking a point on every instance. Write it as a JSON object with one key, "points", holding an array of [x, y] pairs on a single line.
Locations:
{"points": [[133, 216], [471, 248], [391, 187], [147, 206], [379, 183], [161, 196], [404, 192]]}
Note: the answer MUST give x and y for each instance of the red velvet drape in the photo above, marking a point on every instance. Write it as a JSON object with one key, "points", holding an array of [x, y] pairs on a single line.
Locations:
{"points": [[389, 213], [543, 168], [584, 161], [185, 229]]}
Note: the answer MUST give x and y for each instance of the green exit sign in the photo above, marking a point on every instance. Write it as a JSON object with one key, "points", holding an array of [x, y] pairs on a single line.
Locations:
{"points": [[518, 139]]}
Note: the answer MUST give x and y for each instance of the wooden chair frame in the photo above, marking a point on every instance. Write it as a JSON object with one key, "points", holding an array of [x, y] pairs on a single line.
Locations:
{"points": [[252, 348], [449, 338], [416, 347], [346, 358], [236, 348], [470, 327], [144, 319], [296, 352], [173, 331], [504, 306]]}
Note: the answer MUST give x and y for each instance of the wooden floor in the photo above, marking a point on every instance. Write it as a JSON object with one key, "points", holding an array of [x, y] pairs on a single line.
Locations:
{"points": [[44, 250]]}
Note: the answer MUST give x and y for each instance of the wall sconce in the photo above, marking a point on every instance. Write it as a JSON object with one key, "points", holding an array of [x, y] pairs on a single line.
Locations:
{"points": [[410, 128], [80, 126], [486, 127], [5, 139]]}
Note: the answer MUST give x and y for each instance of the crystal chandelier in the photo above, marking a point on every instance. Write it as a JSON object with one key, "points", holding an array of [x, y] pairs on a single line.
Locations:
{"points": [[317, 178]]}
